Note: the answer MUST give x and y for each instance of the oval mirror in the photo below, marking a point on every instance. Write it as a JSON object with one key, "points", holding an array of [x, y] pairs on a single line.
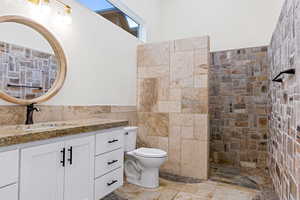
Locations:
{"points": [[32, 62]]}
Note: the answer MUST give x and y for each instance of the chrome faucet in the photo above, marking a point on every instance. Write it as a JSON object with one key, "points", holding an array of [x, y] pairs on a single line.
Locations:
{"points": [[29, 116]]}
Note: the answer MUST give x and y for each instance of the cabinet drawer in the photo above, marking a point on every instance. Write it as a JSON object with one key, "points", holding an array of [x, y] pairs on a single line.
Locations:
{"points": [[9, 167], [108, 183], [108, 162], [109, 141], [9, 192]]}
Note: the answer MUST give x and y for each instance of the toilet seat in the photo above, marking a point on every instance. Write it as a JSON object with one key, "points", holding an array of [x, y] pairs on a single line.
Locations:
{"points": [[150, 153]]}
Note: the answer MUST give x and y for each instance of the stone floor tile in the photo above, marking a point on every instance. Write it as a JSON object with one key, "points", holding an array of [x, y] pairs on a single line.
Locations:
{"points": [[188, 196]]}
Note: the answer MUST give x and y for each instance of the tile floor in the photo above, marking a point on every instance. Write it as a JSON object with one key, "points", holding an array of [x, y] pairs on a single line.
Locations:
{"points": [[225, 183], [169, 190]]}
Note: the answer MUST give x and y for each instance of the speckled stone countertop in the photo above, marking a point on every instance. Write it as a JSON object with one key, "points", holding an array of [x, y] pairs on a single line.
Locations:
{"points": [[18, 134]]}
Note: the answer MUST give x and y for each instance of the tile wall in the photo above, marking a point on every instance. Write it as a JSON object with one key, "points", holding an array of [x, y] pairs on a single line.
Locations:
{"points": [[173, 103], [284, 118], [11, 115], [238, 107]]}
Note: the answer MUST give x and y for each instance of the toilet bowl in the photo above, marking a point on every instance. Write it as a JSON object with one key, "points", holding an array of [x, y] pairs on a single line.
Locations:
{"points": [[142, 164]]}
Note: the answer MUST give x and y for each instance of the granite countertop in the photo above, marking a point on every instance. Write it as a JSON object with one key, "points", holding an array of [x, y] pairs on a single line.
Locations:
{"points": [[18, 134]]}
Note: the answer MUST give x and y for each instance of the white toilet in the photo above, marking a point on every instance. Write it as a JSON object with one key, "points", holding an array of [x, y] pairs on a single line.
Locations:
{"points": [[141, 165]]}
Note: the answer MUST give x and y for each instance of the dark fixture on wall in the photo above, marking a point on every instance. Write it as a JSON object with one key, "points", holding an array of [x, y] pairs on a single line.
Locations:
{"points": [[29, 115], [288, 71], [24, 86]]}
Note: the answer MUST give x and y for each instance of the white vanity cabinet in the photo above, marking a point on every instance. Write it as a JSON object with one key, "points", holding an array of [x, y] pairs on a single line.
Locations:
{"points": [[58, 171], [84, 167], [9, 174], [109, 162], [42, 173]]}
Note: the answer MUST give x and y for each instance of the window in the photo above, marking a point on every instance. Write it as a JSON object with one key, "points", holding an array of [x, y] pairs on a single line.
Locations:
{"points": [[127, 21]]}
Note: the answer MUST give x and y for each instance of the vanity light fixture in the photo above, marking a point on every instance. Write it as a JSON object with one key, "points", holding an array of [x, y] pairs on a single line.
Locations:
{"points": [[44, 6], [37, 2]]}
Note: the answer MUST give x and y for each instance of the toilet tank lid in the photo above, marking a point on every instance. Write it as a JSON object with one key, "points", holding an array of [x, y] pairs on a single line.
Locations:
{"points": [[150, 152], [131, 128]]}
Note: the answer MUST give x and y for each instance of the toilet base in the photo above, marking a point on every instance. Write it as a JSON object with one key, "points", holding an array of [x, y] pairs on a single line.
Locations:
{"points": [[149, 179]]}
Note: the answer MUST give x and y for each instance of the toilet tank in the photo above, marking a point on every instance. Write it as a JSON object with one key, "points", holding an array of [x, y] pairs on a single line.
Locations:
{"points": [[130, 138]]}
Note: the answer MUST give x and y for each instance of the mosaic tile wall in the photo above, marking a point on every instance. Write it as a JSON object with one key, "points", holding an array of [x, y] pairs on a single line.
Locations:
{"points": [[26, 67], [284, 126], [11, 115], [173, 103], [238, 107]]}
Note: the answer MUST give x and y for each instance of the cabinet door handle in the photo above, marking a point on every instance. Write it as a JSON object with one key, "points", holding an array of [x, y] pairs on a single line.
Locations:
{"points": [[63, 161], [112, 162], [111, 183], [70, 159], [113, 141]]}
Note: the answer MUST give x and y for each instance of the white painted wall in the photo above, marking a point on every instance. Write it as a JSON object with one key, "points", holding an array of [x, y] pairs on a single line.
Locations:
{"points": [[229, 23], [10, 33], [101, 57]]}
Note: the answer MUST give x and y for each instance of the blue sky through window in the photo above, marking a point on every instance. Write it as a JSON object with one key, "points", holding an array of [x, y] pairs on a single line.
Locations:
{"points": [[96, 5]]}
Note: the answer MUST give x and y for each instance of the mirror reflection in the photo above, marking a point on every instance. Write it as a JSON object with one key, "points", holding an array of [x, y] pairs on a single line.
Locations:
{"points": [[28, 65]]}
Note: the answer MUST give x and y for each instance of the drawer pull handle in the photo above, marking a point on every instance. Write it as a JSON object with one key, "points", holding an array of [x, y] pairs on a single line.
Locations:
{"points": [[112, 162], [113, 141], [71, 155], [111, 183], [63, 161]]}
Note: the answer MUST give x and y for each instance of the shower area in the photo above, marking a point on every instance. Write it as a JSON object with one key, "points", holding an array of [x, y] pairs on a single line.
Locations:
{"points": [[219, 115]]}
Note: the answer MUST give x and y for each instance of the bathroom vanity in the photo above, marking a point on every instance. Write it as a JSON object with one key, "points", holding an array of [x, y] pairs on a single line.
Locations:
{"points": [[75, 160]]}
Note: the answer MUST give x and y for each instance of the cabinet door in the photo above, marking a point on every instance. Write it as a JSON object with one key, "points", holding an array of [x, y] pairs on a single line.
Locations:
{"points": [[42, 173], [79, 174], [9, 192]]}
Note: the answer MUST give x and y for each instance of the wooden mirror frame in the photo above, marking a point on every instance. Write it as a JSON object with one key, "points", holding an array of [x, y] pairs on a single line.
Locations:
{"points": [[58, 51]]}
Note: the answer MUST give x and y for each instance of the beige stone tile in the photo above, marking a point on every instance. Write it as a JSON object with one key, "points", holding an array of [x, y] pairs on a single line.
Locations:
{"points": [[163, 106], [152, 141], [153, 54], [171, 167], [167, 194], [194, 100], [148, 94], [163, 143], [147, 195], [200, 81], [188, 196], [194, 165], [175, 94], [169, 106], [201, 57], [174, 106], [201, 124], [175, 144], [164, 89], [179, 119], [228, 193], [142, 136], [181, 69], [123, 109], [206, 189], [156, 123], [192, 43], [187, 132], [153, 72], [201, 70]]}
